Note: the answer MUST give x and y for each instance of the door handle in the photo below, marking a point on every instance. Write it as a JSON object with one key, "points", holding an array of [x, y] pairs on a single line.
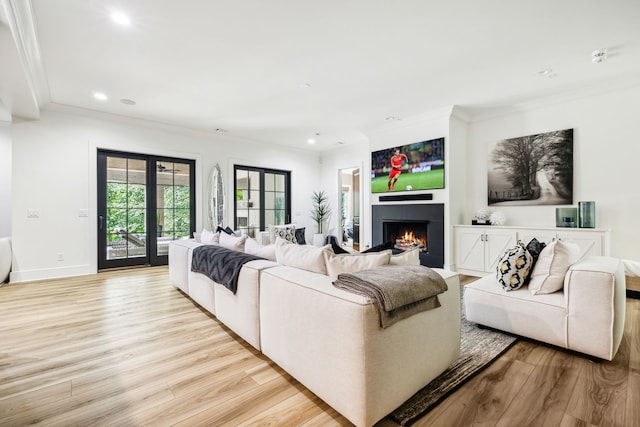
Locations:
{"points": [[100, 222]]}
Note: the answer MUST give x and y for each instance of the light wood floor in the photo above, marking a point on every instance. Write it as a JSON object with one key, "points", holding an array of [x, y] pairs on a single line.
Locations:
{"points": [[125, 348]]}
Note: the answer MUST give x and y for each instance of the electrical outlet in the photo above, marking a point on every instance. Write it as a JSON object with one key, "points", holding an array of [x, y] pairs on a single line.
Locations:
{"points": [[60, 256], [33, 213], [83, 213]]}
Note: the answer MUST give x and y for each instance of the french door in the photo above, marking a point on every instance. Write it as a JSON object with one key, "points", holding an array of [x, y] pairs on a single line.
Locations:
{"points": [[263, 198], [144, 202]]}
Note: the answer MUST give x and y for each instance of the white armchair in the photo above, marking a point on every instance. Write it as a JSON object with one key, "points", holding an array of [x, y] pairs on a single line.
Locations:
{"points": [[587, 315]]}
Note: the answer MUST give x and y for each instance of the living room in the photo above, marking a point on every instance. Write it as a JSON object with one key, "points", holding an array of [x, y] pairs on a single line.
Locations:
{"points": [[48, 150], [65, 136]]}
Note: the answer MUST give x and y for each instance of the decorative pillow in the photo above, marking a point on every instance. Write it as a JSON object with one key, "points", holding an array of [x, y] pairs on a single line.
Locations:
{"points": [[227, 230], [252, 247], [197, 236], [535, 247], [306, 257], [300, 237], [379, 248], [209, 237], [554, 261], [514, 267], [410, 257], [350, 263], [272, 230], [337, 249], [232, 242], [287, 233]]}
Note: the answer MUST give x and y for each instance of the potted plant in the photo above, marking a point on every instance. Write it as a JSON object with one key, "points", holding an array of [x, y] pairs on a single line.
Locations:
{"points": [[320, 213]]}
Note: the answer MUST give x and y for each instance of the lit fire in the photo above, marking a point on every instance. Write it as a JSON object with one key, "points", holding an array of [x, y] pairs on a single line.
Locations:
{"points": [[408, 235], [409, 241]]}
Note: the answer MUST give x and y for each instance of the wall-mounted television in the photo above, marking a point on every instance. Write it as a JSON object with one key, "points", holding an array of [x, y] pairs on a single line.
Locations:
{"points": [[410, 167]]}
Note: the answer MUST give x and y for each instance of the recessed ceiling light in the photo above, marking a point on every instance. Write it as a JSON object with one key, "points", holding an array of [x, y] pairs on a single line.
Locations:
{"points": [[100, 96], [311, 141], [599, 55], [547, 72], [121, 18], [391, 118], [126, 101]]}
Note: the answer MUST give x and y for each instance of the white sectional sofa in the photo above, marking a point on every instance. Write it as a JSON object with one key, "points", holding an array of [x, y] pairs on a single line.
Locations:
{"points": [[586, 315], [327, 338]]}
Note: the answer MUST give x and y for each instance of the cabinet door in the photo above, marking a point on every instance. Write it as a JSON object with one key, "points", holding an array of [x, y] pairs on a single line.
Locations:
{"points": [[496, 243], [470, 249], [590, 244]]}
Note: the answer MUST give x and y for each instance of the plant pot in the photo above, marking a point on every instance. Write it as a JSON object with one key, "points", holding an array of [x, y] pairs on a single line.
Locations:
{"points": [[318, 239]]}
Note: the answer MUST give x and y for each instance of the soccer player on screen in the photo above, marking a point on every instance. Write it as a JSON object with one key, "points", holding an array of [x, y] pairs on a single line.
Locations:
{"points": [[396, 168]]}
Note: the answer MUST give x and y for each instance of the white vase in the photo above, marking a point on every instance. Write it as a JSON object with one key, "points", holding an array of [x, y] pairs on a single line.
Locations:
{"points": [[318, 239]]}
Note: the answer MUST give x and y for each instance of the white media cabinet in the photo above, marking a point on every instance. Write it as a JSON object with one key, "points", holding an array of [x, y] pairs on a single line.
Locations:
{"points": [[478, 248]]}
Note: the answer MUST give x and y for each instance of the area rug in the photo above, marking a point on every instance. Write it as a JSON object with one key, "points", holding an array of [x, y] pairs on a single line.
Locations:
{"points": [[479, 347]]}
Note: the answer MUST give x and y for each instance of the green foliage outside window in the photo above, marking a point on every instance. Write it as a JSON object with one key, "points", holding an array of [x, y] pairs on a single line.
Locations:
{"points": [[126, 208]]}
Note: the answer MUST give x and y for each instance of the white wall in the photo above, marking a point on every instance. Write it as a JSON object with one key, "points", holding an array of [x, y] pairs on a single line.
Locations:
{"points": [[606, 158], [54, 163], [5, 178]]}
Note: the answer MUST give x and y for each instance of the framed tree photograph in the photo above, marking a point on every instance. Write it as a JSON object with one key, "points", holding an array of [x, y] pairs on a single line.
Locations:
{"points": [[532, 170]]}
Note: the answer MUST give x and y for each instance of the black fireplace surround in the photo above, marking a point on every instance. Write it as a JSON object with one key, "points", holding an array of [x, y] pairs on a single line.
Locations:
{"points": [[430, 216]]}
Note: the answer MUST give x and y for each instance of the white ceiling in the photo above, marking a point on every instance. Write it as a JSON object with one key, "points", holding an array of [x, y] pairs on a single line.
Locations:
{"points": [[281, 71]]}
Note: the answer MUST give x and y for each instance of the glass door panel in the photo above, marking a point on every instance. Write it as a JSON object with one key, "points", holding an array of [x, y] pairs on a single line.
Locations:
{"points": [[123, 216], [275, 195], [173, 206], [248, 201]]}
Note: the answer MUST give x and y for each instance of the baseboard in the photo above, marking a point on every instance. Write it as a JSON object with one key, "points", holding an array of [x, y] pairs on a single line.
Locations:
{"points": [[50, 273]]}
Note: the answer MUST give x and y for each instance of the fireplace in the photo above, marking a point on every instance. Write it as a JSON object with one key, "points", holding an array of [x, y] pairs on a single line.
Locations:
{"points": [[406, 235], [409, 225]]}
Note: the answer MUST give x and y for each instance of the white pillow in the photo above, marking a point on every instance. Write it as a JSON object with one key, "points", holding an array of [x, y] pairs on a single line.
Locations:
{"points": [[350, 263], [209, 237], [306, 257], [410, 257], [234, 243], [552, 265], [252, 247]]}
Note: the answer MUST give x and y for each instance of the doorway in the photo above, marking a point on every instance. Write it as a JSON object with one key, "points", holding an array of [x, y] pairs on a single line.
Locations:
{"points": [[349, 179], [144, 202]]}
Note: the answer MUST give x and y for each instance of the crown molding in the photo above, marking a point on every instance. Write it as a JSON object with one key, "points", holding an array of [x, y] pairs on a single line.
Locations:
{"points": [[19, 17], [602, 89]]}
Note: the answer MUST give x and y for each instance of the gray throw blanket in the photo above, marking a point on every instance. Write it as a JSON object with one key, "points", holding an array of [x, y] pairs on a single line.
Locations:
{"points": [[397, 291], [220, 264]]}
